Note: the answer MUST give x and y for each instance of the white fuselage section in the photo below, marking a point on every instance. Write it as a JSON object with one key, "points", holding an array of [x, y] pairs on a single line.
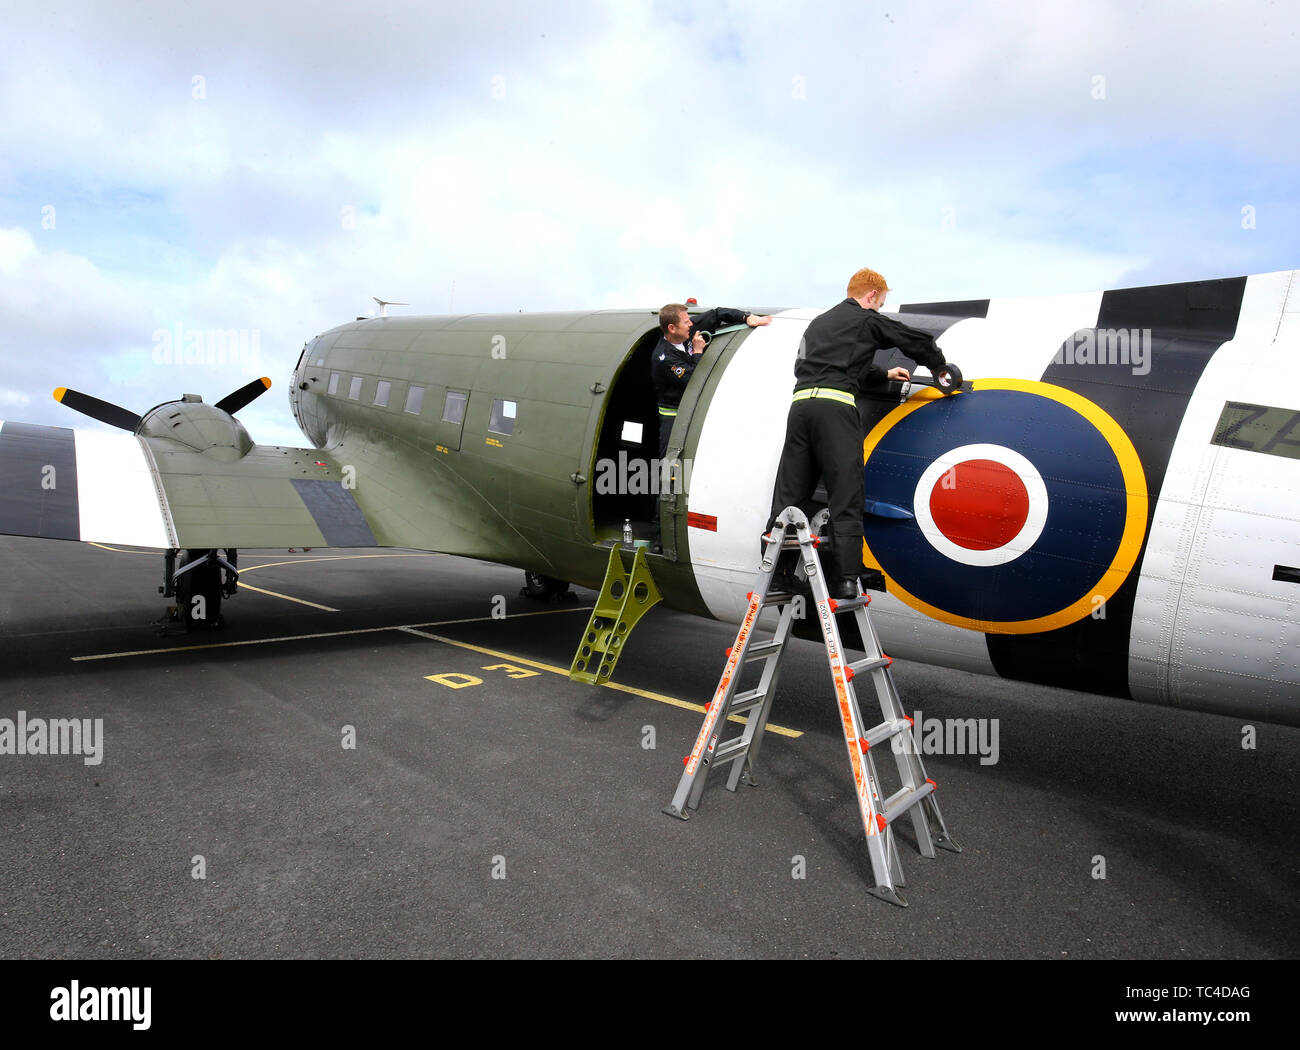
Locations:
{"points": [[1211, 628]]}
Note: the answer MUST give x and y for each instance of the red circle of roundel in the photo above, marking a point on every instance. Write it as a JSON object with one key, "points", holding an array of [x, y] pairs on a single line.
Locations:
{"points": [[980, 504]]}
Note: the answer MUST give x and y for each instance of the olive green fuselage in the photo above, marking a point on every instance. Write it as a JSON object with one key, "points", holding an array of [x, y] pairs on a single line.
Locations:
{"points": [[522, 440]]}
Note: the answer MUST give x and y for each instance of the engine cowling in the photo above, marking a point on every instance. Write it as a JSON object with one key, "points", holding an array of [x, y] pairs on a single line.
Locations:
{"points": [[198, 426]]}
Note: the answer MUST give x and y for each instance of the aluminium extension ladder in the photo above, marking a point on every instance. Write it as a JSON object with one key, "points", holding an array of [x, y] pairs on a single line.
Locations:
{"points": [[916, 795]]}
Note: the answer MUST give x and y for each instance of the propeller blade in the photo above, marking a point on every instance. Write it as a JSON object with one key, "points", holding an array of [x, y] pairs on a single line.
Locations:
{"points": [[113, 415], [233, 402]]}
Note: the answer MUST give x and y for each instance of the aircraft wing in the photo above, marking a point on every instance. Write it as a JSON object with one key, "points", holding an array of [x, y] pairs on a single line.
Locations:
{"points": [[60, 483]]}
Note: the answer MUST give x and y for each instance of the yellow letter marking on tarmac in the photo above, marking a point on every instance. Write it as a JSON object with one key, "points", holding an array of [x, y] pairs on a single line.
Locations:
{"points": [[512, 671], [449, 681]]}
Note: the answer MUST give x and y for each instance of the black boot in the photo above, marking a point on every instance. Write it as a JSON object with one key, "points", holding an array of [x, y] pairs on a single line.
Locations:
{"points": [[844, 588]]}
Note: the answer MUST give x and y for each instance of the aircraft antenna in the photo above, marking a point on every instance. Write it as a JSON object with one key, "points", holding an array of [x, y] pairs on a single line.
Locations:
{"points": [[384, 304]]}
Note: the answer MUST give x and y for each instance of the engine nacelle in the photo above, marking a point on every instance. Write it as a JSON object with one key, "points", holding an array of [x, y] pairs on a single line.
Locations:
{"points": [[201, 427]]}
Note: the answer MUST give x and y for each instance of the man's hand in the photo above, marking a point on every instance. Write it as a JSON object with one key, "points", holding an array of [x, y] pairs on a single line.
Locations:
{"points": [[898, 373], [757, 321], [698, 343]]}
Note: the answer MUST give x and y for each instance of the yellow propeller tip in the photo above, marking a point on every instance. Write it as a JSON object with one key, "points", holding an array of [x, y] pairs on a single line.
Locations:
{"points": [[59, 392], [266, 383]]}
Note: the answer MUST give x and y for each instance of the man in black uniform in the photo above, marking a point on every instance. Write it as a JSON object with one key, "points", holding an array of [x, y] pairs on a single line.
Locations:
{"points": [[681, 341], [823, 436]]}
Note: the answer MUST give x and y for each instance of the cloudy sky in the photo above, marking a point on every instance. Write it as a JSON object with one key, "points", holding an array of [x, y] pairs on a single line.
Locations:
{"points": [[268, 167]]}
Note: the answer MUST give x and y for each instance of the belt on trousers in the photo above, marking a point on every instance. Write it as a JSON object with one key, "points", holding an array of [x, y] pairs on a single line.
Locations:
{"points": [[667, 411], [824, 391]]}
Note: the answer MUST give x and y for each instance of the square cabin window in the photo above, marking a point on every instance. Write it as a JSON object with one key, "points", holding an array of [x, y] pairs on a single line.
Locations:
{"points": [[503, 417], [632, 432], [354, 392], [381, 393], [415, 400], [334, 383], [453, 409]]}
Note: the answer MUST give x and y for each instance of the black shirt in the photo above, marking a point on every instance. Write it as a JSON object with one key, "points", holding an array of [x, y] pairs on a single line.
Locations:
{"points": [[838, 347], [671, 366]]}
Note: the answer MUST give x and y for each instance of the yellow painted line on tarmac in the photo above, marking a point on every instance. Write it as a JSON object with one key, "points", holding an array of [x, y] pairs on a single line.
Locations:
{"points": [[119, 550], [658, 697], [287, 597], [308, 637]]}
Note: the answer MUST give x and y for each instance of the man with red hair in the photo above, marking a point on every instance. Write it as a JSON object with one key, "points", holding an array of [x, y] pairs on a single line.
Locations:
{"points": [[823, 436]]}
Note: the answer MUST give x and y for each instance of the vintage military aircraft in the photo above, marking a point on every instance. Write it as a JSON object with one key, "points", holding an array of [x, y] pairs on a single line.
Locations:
{"points": [[1114, 506]]}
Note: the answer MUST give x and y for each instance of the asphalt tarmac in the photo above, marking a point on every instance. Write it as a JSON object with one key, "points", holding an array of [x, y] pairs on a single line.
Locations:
{"points": [[380, 755]]}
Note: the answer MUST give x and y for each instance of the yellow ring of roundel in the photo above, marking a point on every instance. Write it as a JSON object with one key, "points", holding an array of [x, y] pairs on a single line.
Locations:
{"points": [[1135, 520]]}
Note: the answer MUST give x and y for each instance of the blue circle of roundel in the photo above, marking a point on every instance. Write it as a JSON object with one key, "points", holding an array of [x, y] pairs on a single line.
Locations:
{"points": [[1086, 505]]}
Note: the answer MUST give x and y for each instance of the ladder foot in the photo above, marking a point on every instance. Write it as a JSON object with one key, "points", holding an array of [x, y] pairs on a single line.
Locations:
{"points": [[886, 893], [673, 811], [947, 842]]}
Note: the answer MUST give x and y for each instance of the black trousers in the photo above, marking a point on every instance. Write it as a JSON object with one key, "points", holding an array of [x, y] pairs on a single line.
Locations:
{"points": [[665, 432], [823, 440]]}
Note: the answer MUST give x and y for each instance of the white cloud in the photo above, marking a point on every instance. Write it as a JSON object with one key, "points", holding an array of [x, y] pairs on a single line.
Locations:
{"points": [[507, 157]]}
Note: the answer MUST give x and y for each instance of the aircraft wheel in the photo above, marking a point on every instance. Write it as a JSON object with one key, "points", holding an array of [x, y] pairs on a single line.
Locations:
{"points": [[543, 588], [198, 593]]}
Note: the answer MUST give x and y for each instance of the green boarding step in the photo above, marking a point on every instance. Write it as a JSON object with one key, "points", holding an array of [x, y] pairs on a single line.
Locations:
{"points": [[624, 598]]}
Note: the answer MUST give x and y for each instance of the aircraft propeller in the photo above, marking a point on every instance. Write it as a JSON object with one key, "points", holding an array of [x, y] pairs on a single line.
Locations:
{"points": [[123, 419]]}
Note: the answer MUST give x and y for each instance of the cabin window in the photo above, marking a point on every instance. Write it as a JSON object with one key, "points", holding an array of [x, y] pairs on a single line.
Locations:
{"points": [[632, 432], [381, 393], [503, 417], [334, 383], [415, 400], [354, 392], [453, 409]]}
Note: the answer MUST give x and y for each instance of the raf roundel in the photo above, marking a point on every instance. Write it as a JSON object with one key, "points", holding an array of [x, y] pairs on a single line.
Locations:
{"points": [[1028, 504], [981, 504]]}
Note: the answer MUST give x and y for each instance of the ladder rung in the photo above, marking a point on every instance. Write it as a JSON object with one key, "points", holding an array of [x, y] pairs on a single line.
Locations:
{"points": [[885, 731], [729, 751], [839, 605], [904, 799], [762, 650], [744, 701], [791, 543], [869, 665]]}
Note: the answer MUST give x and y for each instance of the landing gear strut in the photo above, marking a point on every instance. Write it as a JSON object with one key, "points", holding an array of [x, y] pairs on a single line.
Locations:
{"points": [[199, 579]]}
